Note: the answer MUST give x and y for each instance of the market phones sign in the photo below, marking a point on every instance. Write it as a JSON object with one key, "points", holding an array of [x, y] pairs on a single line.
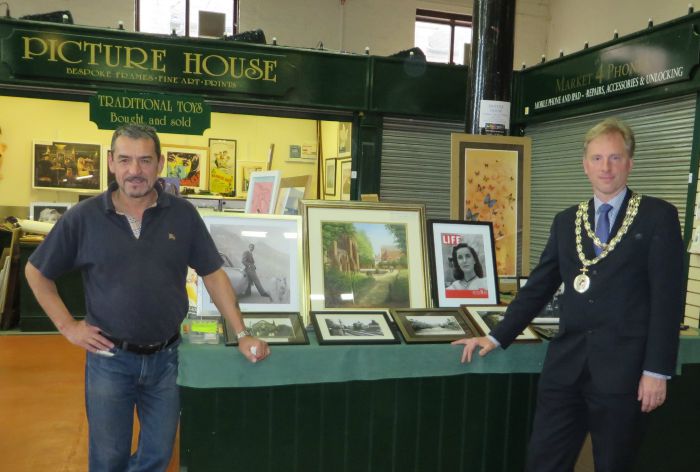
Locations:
{"points": [[162, 64], [179, 114]]}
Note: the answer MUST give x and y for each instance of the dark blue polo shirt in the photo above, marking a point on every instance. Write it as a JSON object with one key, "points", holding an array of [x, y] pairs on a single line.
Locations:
{"points": [[134, 288]]}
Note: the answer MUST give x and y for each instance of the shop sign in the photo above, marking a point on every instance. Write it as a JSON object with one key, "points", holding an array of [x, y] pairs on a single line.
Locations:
{"points": [[649, 60], [29, 53], [179, 114]]}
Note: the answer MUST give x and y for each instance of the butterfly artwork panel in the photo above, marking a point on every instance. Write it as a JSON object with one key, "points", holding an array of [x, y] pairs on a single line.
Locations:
{"points": [[490, 183]]}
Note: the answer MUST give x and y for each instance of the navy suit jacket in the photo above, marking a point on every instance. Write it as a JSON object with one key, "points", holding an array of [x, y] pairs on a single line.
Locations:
{"points": [[628, 320]]}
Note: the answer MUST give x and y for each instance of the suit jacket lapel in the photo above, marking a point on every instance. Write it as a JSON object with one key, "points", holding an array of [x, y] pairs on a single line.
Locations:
{"points": [[621, 214]]}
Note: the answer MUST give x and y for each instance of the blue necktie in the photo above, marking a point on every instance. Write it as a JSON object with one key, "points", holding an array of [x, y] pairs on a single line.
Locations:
{"points": [[602, 229]]}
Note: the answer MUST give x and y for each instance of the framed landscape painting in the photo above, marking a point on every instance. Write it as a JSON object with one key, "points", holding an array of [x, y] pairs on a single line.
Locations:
{"points": [[462, 263], [188, 164], [486, 318], [342, 327], [273, 328], [365, 255], [60, 165], [490, 178], [263, 260], [433, 325]]}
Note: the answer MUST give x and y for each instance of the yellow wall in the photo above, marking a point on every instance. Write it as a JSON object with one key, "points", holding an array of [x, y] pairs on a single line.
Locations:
{"points": [[24, 120]]}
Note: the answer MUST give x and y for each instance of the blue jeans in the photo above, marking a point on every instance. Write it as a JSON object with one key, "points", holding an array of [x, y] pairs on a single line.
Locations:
{"points": [[113, 387]]}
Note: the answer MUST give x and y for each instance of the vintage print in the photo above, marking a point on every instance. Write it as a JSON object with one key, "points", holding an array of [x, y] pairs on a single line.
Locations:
{"points": [[262, 192], [243, 175], [222, 172], [67, 166], [188, 164], [345, 178], [47, 212], [330, 173], [487, 318], [436, 325], [352, 328], [273, 328]]}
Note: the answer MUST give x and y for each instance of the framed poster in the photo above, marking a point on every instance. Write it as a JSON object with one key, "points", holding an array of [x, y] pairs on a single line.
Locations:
{"points": [[47, 212], [243, 172], [365, 255], [263, 260], [292, 191], [462, 263], [189, 164], [222, 172], [60, 165], [486, 318], [344, 327], [490, 178], [433, 325], [273, 328], [344, 138], [262, 192], [345, 178], [329, 172]]}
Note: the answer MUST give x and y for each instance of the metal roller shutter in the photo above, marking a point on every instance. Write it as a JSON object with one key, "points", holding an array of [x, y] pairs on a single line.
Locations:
{"points": [[664, 134], [416, 163]]}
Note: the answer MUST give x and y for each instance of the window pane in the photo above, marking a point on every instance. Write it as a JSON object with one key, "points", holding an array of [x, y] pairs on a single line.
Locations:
{"points": [[434, 41], [463, 35], [219, 6], [162, 16]]}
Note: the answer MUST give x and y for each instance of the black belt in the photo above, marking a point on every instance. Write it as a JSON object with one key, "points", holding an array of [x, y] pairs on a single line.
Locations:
{"points": [[142, 348]]}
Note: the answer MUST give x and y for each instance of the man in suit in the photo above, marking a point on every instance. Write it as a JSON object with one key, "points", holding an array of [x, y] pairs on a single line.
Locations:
{"points": [[620, 314]]}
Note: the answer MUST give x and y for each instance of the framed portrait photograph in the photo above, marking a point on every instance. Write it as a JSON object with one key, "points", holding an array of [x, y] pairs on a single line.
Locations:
{"points": [[365, 255], [550, 312], [490, 178], [273, 328], [486, 318], [433, 325], [222, 171], [262, 192], [60, 165], [243, 173], [463, 263], [263, 260], [344, 327], [345, 178], [188, 164], [329, 173], [47, 212]]}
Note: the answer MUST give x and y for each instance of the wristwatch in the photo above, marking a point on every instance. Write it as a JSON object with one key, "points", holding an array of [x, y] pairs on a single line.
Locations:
{"points": [[242, 334]]}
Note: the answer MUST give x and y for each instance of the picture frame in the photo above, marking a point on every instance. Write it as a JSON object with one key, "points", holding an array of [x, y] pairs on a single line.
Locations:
{"points": [[475, 282], [344, 138], [550, 312], [485, 318], [490, 181], [292, 191], [348, 327], [47, 212], [189, 164], [390, 256], [262, 192], [273, 328], [329, 173], [67, 166], [433, 325], [270, 277], [345, 178], [222, 171], [243, 171]]}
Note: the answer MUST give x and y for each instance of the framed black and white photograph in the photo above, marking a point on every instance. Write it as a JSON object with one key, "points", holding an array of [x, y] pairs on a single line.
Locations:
{"points": [[433, 325], [550, 313], [486, 318], [47, 212], [462, 263], [347, 327], [273, 328], [263, 259]]}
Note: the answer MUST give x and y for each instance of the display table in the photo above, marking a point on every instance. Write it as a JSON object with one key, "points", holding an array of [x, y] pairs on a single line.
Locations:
{"points": [[387, 407]]}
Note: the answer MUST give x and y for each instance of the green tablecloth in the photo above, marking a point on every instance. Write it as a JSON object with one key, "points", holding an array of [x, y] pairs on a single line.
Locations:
{"points": [[219, 366]]}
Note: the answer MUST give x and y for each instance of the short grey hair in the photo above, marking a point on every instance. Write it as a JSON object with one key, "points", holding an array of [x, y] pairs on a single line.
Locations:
{"points": [[137, 131], [609, 126]]}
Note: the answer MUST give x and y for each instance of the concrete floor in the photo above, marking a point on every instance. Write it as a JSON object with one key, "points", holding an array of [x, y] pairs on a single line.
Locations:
{"points": [[42, 405]]}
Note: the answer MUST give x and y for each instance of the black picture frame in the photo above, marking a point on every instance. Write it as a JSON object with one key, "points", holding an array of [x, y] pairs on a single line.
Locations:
{"points": [[433, 325], [353, 327], [550, 313], [273, 328]]}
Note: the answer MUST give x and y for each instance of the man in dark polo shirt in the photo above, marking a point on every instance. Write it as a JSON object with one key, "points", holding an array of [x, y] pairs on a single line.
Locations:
{"points": [[133, 244]]}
